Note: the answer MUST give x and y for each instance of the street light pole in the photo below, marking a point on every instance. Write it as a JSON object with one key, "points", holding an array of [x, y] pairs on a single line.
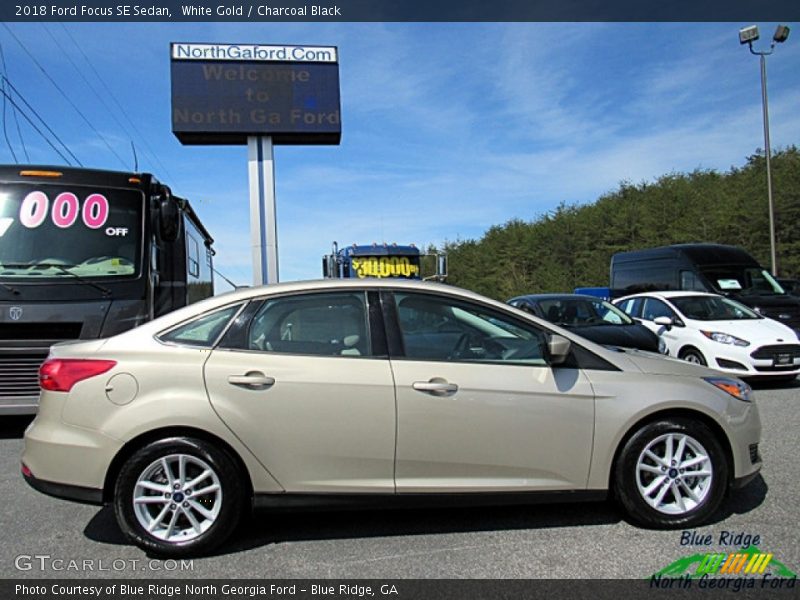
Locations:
{"points": [[748, 35], [767, 154]]}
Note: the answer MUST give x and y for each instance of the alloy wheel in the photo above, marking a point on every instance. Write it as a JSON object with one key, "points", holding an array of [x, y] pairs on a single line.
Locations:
{"points": [[177, 498], [674, 473]]}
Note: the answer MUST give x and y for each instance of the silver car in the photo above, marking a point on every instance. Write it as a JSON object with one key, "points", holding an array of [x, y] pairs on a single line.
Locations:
{"points": [[337, 392]]}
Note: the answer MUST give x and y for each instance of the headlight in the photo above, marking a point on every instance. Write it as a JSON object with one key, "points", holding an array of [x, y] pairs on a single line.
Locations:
{"points": [[724, 338], [734, 387]]}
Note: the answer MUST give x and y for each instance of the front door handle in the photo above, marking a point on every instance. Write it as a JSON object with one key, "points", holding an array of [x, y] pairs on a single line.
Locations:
{"points": [[252, 379], [436, 387]]}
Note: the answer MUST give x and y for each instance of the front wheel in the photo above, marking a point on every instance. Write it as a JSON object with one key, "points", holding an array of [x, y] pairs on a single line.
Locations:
{"points": [[671, 473], [178, 497], [694, 356]]}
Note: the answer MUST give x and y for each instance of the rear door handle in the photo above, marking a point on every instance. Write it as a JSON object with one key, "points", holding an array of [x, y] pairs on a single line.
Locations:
{"points": [[253, 379], [435, 387]]}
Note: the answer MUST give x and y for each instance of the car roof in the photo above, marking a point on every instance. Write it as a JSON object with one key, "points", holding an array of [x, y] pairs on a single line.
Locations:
{"points": [[667, 294], [232, 298], [244, 294], [538, 297]]}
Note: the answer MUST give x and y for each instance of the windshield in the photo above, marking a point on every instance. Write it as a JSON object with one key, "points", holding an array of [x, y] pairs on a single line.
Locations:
{"points": [[713, 308], [743, 280], [68, 232], [583, 311]]}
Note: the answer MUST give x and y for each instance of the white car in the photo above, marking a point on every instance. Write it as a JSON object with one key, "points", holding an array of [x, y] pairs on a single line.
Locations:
{"points": [[716, 331]]}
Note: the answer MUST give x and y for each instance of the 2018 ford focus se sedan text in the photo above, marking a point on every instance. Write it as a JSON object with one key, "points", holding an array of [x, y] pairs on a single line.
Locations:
{"points": [[373, 391]]}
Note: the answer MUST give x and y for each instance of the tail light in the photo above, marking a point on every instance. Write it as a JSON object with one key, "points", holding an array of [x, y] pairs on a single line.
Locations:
{"points": [[60, 374]]}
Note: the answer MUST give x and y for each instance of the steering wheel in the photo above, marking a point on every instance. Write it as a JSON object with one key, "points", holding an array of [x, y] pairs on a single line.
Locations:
{"points": [[462, 348], [493, 348]]}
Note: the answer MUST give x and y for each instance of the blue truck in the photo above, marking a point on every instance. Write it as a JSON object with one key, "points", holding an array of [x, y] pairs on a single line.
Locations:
{"points": [[382, 260]]}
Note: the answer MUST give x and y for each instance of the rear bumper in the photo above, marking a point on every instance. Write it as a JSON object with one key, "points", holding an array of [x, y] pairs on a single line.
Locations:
{"points": [[64, 491], [59, 454]]}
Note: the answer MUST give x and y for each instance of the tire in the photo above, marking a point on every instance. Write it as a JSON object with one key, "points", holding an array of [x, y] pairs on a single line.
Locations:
{"points": [[694, 356], [667, 505], [167, 520]]}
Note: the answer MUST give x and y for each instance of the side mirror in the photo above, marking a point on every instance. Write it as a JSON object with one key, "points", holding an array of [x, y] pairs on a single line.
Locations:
{"points": [[665, 322], [169, 218], [558, 347]]}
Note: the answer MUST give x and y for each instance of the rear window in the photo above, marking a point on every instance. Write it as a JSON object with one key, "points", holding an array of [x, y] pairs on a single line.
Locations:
{"points": [[202, 331]]}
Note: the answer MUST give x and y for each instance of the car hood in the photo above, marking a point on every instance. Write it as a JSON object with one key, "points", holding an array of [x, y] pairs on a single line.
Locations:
{"points": [[656, 364], [627, 336], [756, 331], [784, 308]]}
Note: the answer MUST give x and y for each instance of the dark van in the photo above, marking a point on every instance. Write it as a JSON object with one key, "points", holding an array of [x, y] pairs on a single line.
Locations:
{"points": [[727, 270]]}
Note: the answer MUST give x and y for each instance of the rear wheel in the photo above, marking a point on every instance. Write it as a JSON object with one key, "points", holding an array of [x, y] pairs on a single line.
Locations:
{"points": [[671, 473], [693, 355], [178, 497]]}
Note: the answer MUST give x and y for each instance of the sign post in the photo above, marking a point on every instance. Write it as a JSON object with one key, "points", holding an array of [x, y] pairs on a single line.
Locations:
{"points": [[263, 220], [259, 95]]}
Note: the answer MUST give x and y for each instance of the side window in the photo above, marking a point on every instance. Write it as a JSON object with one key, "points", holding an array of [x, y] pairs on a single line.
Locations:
{"points": [[632, 306], [326, 324], [193, 256], [202, 331], [654, 308], [528, 308], [435, 328]]}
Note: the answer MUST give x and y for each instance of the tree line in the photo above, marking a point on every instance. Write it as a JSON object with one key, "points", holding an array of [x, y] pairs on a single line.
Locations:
{"points": [[572, 245]]}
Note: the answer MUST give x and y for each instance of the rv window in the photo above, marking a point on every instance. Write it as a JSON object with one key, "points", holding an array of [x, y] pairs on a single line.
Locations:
{"points": [[193, 254]]}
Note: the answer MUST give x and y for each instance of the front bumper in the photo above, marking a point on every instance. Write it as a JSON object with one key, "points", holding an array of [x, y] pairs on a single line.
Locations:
{"points": [[745, 423], [742, 364]]}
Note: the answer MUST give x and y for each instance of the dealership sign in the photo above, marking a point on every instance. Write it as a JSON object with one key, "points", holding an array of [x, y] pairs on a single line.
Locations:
{"points": [[225, 93]]}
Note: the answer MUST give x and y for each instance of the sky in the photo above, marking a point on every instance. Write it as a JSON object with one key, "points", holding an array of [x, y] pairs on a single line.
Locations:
{"points": [[447, 128]]}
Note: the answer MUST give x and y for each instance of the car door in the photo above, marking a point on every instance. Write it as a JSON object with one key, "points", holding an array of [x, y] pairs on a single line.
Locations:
{"points": [[301, 380], [478, 407], [652, 308]]}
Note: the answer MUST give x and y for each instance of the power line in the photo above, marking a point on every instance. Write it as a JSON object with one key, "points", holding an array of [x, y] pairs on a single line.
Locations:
{"points": [[16, 119], [86, 81], [7, 96], [21, 139], [64, 95], [142, 137], [6, 81], [5, 130]]}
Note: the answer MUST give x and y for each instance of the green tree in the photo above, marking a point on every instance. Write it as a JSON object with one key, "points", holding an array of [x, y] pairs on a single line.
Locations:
{"points": [[572, 245]]}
